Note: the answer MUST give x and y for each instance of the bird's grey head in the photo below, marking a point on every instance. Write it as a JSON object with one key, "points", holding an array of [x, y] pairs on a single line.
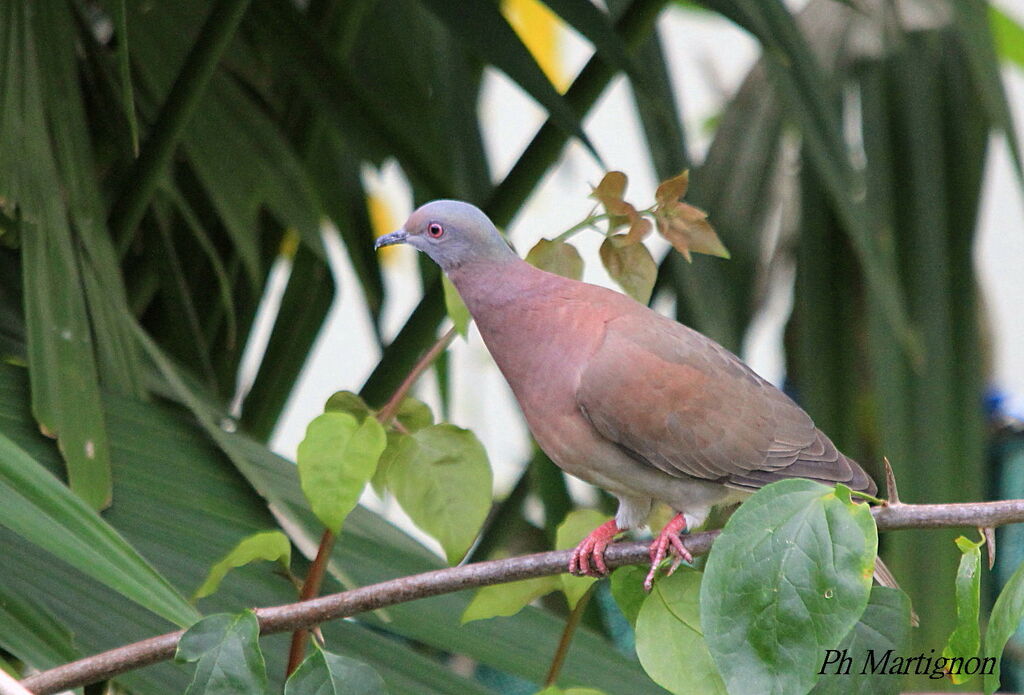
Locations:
{"points": [[452, 233]]}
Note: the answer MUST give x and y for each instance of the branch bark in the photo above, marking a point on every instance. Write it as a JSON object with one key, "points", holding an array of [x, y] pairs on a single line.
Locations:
{"points": [[305, 614]]}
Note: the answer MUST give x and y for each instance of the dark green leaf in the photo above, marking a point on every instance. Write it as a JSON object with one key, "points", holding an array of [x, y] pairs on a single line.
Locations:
{"points": [[669, 639], [482, 29], [1007, 614], [324, 673], [227, 648], [31, 633], [787, 579], [873, 646], [37, 507]]}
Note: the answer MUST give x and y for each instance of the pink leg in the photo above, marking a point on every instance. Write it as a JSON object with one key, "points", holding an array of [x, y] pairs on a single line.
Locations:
{"points": [[593, 546], [668, 540]]}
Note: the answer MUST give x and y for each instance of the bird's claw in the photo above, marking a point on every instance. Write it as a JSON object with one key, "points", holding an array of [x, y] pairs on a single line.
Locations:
{"points": [[668, 540], [592, 548]]}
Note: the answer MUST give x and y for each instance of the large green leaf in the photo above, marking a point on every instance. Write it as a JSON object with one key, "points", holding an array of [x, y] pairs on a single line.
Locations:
{"points": [[336, 459], [441, 477], [184, 507], [323, 673], [36, 506], [482, 28], [880, 637], [1007, 615], [227, 649], [65, 386], [787, 579], [669, 627]]}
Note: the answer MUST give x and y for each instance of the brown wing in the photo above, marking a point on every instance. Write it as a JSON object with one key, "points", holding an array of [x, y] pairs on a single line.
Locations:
{"points": [[681, 402]]}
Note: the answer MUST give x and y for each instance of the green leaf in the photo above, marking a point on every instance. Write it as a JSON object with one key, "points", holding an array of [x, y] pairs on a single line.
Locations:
{"points": [[1008, 35], [631, 266], [555, 690], [124, 66], [669, 639], [628, 590], [272, 546], [456, 308], [336, 459], [884, 627], [1006, 617], [324, 673], [195, 512], [441, 478], [576, 526], [65, 381], [787, 579], [348, 402], [414, 414], [965, 641], [32, 633], [227, 648], [37, 507], [557, 257], [508, 599]]}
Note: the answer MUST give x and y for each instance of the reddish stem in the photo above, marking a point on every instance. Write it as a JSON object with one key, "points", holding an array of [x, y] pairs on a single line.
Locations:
{"points": [[310, 589]]}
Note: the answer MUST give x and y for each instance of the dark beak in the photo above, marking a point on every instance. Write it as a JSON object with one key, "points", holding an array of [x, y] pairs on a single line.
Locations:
{"points": [[391, 239]]}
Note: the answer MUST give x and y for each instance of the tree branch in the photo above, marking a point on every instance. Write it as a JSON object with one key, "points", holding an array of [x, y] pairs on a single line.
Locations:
{"points": [[305, 614]]}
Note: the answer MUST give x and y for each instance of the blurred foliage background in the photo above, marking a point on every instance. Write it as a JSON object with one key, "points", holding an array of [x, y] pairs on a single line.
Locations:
{"points": [[158, 159]]}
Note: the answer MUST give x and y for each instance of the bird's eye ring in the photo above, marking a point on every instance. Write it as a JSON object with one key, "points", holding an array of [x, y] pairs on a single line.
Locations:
{"points": [[435, 230]]}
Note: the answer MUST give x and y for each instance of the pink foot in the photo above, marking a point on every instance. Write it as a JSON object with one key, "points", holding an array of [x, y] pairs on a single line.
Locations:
{"points": [[592, 547], [668, 540]]}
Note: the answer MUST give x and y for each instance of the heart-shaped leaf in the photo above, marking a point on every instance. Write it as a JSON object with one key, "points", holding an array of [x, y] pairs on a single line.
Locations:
{"points": [[787, 579]]}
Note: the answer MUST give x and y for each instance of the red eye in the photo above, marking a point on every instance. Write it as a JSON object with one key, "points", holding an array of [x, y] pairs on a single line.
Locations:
{"points": [[435, 230]]}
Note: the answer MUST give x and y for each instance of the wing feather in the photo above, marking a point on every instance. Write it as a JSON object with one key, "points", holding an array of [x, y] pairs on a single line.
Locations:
{"points": [[680, 402]]}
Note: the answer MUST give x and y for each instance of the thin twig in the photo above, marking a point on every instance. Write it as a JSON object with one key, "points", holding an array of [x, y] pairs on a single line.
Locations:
{"points": [[387, 413], [571, 623], [305, 614], [311, 587]]}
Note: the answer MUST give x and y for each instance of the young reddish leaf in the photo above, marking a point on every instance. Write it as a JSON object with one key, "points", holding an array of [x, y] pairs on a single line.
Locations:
{"points": [[671, 190], [556, 257], [611, 188], [639, 229], [610, 192], [630, 265], [688, 230]]}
